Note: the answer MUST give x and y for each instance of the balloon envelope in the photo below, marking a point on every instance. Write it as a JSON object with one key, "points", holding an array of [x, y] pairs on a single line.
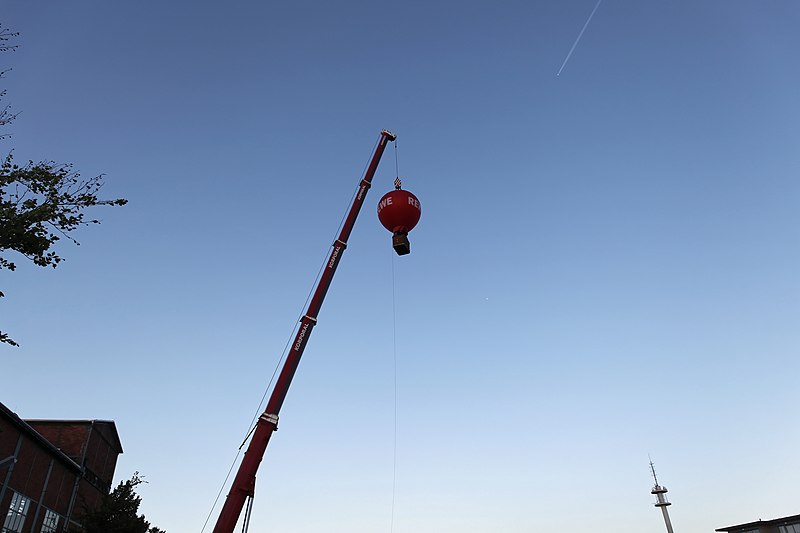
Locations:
{"points": [[399, 211]]}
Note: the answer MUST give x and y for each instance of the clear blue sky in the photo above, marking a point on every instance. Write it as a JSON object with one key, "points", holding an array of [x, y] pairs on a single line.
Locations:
{"points": [[606, 266]]}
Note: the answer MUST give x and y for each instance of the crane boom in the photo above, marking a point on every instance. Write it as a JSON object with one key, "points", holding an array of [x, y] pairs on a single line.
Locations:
{"points": [[245, 481]]}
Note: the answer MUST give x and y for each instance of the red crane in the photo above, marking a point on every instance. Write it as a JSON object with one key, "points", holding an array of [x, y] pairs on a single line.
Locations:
{"points": [[243, 487]]}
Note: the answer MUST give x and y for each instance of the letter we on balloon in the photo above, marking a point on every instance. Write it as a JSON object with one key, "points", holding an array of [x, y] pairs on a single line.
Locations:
{"points": [[383, 203]]}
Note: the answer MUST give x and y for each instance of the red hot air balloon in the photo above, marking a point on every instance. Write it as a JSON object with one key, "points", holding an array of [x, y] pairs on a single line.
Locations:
{"points": [[399, 212]]}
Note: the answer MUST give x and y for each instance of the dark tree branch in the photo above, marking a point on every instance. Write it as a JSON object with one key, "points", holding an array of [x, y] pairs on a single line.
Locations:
{"points": [[52, 204]]}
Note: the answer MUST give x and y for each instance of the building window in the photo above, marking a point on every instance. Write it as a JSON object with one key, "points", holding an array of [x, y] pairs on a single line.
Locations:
{"points": [[791, 528], [15, 518], [50, 524]]}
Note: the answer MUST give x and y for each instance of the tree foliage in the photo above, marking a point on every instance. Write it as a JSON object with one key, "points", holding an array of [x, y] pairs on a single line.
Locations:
{"points": [[6, 115], [40, 203], [118, 512]]}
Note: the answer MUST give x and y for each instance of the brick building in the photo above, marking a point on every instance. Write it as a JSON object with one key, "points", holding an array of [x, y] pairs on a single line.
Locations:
{"points": [[51, 470], [787, 524]]}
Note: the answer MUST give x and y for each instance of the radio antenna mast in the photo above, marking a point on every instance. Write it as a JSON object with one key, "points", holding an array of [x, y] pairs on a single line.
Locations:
{"points": [[661, 498]]}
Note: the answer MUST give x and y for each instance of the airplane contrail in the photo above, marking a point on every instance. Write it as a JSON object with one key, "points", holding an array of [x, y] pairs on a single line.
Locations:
{"points": [[579, 38]]}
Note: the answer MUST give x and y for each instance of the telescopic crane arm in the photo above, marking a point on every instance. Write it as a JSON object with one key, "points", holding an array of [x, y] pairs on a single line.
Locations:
{"points": [[245, 481]]}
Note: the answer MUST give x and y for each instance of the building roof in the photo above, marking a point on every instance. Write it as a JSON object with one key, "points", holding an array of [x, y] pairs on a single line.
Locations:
{"points": [[112, 437], [760, 523], [12, 417]]}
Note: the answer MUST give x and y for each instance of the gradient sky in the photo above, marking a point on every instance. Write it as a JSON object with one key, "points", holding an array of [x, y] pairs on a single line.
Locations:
{"points": [[606, 266]]}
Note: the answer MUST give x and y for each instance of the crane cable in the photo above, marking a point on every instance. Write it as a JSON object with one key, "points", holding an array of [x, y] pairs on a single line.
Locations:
{"points": [[248, 510], [394, 359], [253, 423]]}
